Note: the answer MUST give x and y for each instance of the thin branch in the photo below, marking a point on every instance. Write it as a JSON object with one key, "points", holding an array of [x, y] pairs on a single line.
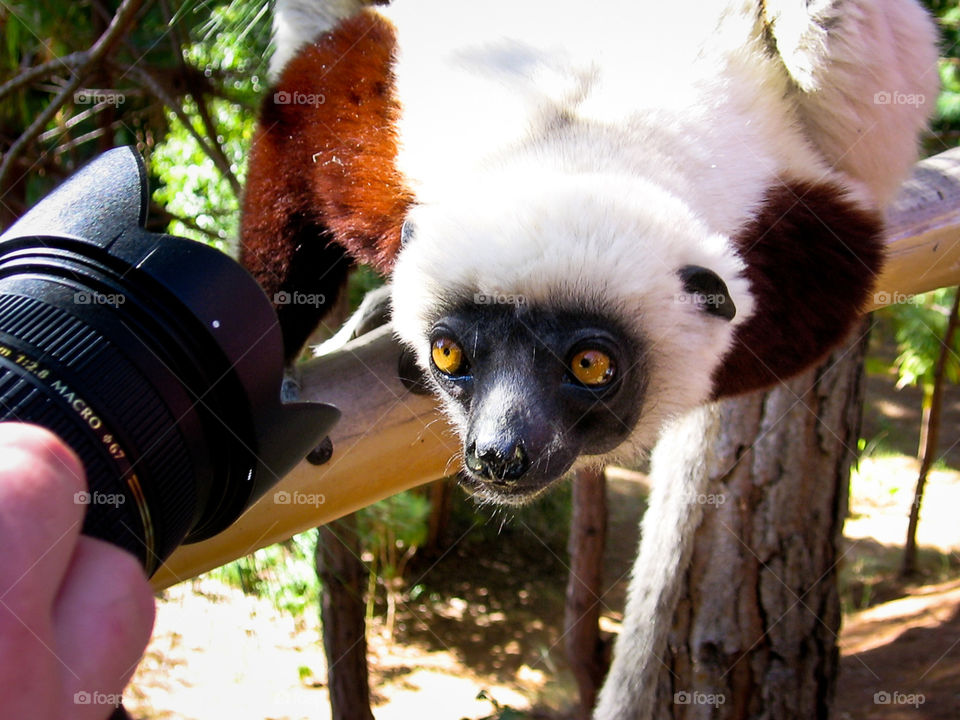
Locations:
{"points": [[104, 44], [158, 212], [196, 92], [84, 115], [38, 72], [219, 159]]}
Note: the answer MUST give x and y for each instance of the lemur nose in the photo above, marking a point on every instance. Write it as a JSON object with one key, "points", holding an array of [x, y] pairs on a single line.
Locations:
{"points": [[498, 463]]}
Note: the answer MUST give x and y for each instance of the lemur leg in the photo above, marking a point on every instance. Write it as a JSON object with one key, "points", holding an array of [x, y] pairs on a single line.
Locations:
{"points": [[866, 76], [374, 311], [680, 472], [297, 22]]}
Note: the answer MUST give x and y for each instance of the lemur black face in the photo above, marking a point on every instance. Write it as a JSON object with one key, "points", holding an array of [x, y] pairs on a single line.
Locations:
{"points": [[537, 388]]}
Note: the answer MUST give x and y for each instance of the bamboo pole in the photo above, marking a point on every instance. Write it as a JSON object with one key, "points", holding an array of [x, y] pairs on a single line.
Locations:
{"points": [[389, 440], [923, 232]]}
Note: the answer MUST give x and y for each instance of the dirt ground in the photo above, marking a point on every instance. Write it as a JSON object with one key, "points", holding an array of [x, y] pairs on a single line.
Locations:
{"points": [[901, 659], [466, 646]]}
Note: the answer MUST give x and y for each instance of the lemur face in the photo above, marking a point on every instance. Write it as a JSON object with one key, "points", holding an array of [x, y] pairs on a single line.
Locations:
{"points": [[535, 389], [570, 328]]}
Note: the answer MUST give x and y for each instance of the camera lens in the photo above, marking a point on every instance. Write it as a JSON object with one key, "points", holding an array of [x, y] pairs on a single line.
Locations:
{"points": [[157, 359]]}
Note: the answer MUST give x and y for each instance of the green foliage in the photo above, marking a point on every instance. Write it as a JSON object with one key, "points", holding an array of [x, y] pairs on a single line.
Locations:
{"points": [[362, 280], [207, 59], [35, 32], [403, 515], [191, 187], [284, 573], [946, 121], [919, 327], [390, 532], [392, 529], [229, 45], [548, 519]]}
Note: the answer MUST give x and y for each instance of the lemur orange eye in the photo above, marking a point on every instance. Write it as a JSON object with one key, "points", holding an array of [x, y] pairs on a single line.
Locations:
{"points": [[593, 368], [448, 356]]}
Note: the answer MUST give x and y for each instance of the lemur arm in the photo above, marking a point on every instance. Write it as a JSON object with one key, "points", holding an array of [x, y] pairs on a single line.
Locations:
{"points": [[322, 189], [865, 73]]}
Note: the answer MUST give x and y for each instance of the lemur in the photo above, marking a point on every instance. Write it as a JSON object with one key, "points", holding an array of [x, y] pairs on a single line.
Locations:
{"points": [[596, 217]]}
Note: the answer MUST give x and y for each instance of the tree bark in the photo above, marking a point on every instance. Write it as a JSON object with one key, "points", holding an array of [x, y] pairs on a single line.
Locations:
{"points": [[755, 628], [441, 501], [588, 532], [929, 438], [343, 578]]}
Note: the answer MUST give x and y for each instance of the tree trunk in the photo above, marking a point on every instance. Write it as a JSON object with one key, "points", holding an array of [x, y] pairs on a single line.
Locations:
{"points": [[755, 628], [441, 501], [343, 578], [588, 532], [929, 437]]}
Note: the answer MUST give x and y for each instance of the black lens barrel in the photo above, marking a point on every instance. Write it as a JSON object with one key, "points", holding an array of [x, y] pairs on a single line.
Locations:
{"points": [[158, 359]]}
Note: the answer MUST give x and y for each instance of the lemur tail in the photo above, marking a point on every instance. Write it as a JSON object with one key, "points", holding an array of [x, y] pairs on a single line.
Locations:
{"points": [[298, 22], [679, 472]]}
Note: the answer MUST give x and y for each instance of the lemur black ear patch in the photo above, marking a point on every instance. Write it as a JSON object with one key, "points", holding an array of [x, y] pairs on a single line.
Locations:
{"points": [[705, 288]]}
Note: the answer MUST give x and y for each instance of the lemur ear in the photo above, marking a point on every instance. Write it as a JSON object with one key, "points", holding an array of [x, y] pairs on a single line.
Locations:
{"points": [[812, 255], [708, 291]]}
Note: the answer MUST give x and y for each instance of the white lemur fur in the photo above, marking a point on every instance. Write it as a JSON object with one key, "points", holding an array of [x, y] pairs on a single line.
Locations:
{"points": [[577, 160]]}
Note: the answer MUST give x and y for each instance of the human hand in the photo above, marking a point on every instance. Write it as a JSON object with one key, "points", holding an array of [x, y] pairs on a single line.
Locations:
{"points": [[75, 612]]}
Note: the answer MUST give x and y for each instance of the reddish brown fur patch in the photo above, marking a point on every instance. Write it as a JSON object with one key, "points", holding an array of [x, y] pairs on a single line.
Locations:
{"points": [[322, 168], [812, 257]]}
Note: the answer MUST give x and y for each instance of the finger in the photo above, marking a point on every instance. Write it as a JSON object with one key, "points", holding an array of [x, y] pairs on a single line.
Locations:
{"points": [[102, 621], [39, 517]]}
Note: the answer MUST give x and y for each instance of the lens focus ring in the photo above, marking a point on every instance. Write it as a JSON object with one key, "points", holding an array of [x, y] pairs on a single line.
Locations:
{"points": [[61, 373]]}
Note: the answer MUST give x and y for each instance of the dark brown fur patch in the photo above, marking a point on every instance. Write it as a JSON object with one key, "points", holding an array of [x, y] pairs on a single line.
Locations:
{"points": [[322, 177], [812, 258]]}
